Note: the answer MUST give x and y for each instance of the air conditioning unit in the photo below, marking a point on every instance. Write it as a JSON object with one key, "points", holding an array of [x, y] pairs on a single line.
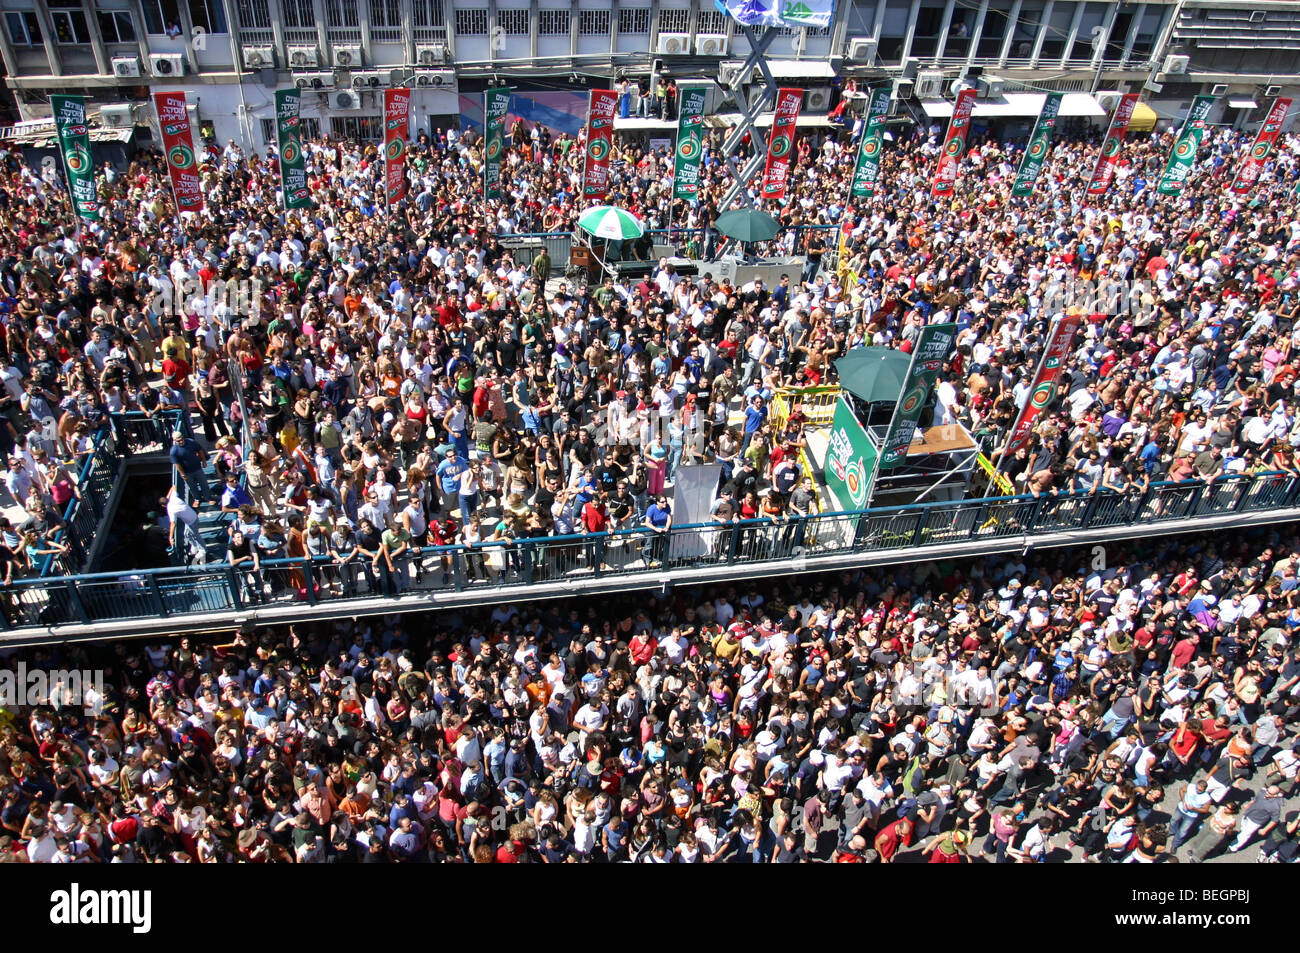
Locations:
{"points": [[303, 57], [371, 79], [729, 73], [676, 44], [431, 54], [435, 78], [345, 99], [347, 57], [126, 66], [1176, 64], [817, 99], [1218, 89], [929, 85], [903, 89], [711, 44], [991, 87], [117, 116], [313, 80], [862, 51], [166, 65], [1271, 91], [258, 57]]}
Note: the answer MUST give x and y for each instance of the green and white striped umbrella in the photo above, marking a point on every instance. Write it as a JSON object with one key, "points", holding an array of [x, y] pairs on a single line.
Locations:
{"points": [[605, 221]]}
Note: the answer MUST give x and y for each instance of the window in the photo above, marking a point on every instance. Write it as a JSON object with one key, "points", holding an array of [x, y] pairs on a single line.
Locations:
{"points": [[254, 14], [342, 14], [674, 21], [386, 21], [24, 28], [307, 128], [634, 22], [593, 22], [70, 27], [116, 26], [298, 14], [995, 31], [1058, 30], [471, 22], [360, 128], [164, 16], [428, 13], [513, 22], [553, 22], [711, 21]]}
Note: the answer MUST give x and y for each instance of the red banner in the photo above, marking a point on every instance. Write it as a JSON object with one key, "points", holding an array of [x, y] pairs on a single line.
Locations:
{"points": [[780, 143], [397, 124], [1104, 173], [1044, 390], [178, 147], [600, 135], [944, 182], [1248, 174]]}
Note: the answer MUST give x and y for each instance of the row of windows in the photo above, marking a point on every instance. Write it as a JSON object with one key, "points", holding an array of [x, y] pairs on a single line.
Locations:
{"points": [[551, 22], [70, 27], [310, 128]]}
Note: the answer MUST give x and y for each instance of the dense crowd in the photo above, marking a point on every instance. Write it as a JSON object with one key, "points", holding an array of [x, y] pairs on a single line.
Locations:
{"points": [[1010, 709]]}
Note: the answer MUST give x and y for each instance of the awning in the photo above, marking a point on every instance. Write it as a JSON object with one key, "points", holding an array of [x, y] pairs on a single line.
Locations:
{"points": [[641, 122], [1019, 104], [1243, 104], [764, 119], [1144, 118], [47, 141], [798, 69]]}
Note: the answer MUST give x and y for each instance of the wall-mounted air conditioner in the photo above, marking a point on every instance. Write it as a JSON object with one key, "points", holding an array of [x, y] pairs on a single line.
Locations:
{"points": [[929, 85], [674, 44], [117, 116], [347, 57], [711, 44], [258, 57], [1176, 64], [815, 100], [862, 51], [303, 57], [435, 78], [126, 66], [345, 99], [166, 65], [431, 54]]}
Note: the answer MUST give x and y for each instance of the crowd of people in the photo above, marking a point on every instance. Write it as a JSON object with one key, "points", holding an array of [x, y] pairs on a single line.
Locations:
{"points": [[1001, 709]]}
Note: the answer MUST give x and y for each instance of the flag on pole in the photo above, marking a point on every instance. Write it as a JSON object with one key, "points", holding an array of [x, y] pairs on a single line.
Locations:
{"points": [[1183, 156], [867, 172], [397, 125], [74, 144], [690, 143], [1031, 165], [496, 102], [1253, 164], [1043, 391], [780, 143], [944, 183], [178, 147], [600, 136], [293, 164], [932, 349], [1104, 173]]}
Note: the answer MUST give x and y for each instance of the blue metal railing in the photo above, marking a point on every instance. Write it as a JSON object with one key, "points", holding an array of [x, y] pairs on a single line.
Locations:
{"points": [[518, 563]]}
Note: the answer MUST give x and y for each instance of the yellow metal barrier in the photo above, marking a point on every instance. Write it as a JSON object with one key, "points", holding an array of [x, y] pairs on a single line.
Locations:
{"points": [[997, 479]]}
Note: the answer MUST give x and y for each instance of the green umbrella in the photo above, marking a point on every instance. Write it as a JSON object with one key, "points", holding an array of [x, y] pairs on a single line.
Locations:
{"points": [[748, 225], [605, 221], [874, 374]]}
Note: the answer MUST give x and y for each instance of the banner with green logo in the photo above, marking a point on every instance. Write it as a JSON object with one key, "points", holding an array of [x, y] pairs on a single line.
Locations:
{"points": [[867, 171], [932, 349], [74, 143], [780, 144], [293, 164], [178, 148], [850, 459], [1186, 145], [496, 102], [690, 143], [1036, 152]]}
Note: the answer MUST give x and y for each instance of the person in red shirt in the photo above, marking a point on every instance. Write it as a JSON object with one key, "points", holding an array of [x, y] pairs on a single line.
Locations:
{"points": [[642, 647], [892, 837], [1184, 743], [176, 370]]}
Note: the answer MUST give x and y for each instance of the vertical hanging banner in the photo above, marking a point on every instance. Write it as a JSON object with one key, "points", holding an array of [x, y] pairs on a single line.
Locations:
{"points": [[850, 459], [1248, 174], [496, 102], [288, 134], [600, 138], [944, 182], [397, 126], [1031, 165], [1104, 172], [867, 172], [74, 143], [178, 147], [780, 143], [1044, 390], [1183, 156], [932, 349], [690, 143]]}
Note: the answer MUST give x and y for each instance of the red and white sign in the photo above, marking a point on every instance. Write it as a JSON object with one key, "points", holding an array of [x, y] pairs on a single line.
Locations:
{"points": [[780, 143], [944, 182], [600, 137]]}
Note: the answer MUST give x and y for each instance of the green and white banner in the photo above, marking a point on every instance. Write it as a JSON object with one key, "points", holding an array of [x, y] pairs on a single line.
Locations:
{"points": [[1036, 152], [867, 172], [690, 144], [850, 460], [293, 164], [932, 349], [1185, 148], [74, 143], [496, 102]]}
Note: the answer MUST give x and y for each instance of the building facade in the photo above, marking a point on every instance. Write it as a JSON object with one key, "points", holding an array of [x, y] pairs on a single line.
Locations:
{"points": [[230, 55]]}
